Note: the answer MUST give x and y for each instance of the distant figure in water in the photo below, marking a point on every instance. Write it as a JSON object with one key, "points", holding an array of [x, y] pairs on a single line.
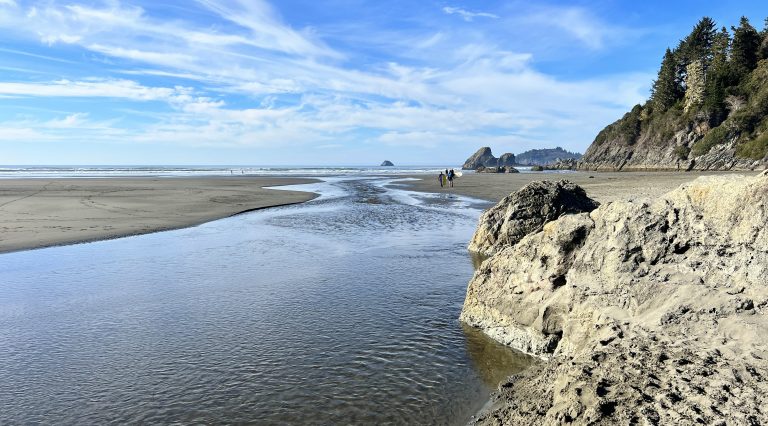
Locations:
{"points": [[440, 178]]}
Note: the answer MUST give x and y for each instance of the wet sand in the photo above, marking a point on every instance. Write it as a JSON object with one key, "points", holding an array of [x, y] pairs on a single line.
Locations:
{"points": [[37, 213], [603, 186]]}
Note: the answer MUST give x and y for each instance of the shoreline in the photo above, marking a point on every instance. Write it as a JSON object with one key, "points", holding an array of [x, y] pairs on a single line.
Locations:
{"points": [[602, 186], [37, 213]]}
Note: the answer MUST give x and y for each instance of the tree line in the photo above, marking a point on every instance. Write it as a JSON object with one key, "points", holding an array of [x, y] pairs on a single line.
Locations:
{"points": [[706, 69]]}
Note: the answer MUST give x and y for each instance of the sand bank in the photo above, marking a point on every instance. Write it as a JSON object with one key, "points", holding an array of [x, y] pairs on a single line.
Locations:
{"points": [[603, 186], [37, 213]]}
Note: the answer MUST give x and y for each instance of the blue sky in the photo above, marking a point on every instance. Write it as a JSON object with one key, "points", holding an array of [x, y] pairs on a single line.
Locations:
{"points": [[325, 82]]}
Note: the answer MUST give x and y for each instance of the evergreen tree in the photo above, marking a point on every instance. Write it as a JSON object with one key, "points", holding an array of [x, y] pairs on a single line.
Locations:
{"points": [[746, 41], [666, 89], [698, 45], [718, 78], [763, 52]]}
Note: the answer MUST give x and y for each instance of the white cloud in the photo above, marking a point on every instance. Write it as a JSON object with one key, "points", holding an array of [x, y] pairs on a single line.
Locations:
{"points": [[467, 15], [300, 91], [125, 89]]}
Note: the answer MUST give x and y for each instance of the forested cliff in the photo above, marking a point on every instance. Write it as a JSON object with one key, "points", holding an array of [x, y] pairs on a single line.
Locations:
{"points": [[708, 108]]}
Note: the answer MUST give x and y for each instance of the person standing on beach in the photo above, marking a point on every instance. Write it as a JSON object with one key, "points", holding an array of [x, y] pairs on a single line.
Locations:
{"points": [[440, 178], [451, 175]]}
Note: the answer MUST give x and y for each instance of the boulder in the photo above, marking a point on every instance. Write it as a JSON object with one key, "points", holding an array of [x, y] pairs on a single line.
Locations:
{"points": [[387, 163], [647, 311], [526, 211], [537, 169]]}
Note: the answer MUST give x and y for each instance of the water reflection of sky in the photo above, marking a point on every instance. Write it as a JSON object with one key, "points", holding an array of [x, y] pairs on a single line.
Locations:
{"points": [[340, 310]]}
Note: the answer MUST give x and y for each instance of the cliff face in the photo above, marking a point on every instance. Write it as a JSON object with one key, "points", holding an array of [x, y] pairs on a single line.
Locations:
{"points": [[682, 146], [649, 312]]}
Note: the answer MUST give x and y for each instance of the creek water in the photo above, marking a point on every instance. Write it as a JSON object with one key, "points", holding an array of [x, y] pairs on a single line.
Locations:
{"points": [[342, 310]]}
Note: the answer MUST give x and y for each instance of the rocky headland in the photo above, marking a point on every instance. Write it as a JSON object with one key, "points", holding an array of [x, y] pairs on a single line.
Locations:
{"points": [[708, 109], [651, 311]]}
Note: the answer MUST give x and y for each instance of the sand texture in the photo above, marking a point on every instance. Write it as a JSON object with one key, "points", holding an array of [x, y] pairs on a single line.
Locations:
{"points": [[650, 311], [602, 186], [38, 213]]}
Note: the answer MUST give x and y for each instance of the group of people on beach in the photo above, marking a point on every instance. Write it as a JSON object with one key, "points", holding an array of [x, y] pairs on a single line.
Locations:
{"points": [[447, 178]]}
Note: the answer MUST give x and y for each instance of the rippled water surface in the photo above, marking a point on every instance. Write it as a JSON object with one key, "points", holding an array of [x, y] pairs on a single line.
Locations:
{"points": [[340, 310]]}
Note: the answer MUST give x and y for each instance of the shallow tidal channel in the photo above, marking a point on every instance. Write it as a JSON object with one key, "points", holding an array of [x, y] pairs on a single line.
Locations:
{"points": [[342, 310]]}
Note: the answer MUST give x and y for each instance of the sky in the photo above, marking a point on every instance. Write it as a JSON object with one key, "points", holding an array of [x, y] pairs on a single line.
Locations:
{"points": [[353, 82]]}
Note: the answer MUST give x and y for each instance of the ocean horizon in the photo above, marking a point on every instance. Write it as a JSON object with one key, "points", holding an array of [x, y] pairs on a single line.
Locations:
{"points": [[75, 171]]}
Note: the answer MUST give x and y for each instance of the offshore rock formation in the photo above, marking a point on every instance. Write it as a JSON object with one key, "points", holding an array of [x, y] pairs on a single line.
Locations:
{"points": [[387, 163], [484, 158], [649, 312], [526, 211]]}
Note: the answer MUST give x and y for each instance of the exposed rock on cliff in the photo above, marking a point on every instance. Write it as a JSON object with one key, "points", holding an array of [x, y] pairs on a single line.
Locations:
{"points": [[650, 312], [387, 163], [484, 158]]}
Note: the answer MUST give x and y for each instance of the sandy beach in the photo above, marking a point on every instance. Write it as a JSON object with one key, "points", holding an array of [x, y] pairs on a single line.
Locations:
{"points": [[602, 186], [37, 213]]}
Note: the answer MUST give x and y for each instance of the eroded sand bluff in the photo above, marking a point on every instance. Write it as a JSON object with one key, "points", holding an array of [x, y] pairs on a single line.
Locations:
{"points": [[646, 312]]}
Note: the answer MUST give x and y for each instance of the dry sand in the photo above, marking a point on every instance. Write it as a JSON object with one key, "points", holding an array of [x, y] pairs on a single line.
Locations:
{"points": [[38, 213], [602, 186]]}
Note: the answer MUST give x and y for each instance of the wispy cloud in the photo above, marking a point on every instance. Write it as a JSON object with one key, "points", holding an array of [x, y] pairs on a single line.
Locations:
{"points": [[576, 22], [124, 89], [250, 79], [467, 15]]}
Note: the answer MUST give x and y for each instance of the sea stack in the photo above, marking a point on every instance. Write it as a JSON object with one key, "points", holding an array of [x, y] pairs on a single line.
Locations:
{"points": [[646, 311], [484, 158], [387, 163]]}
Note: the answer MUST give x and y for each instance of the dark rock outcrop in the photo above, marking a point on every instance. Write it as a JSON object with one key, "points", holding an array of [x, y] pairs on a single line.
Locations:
{"points": [[500, 169], [526, 211], [387, 163], [484, 158]]}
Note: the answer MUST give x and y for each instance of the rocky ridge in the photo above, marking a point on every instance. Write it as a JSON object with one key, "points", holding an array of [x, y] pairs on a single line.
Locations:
{"points": [[542, 157], [648, 311]]}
